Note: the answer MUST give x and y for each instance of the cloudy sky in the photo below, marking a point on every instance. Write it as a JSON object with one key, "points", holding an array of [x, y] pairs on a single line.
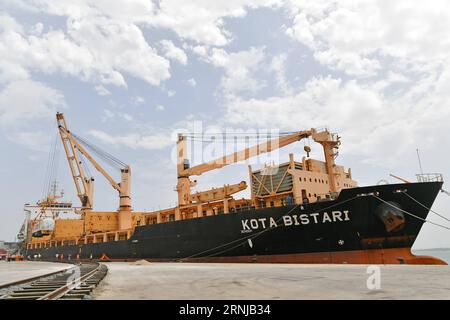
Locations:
{"points": [[129, 74]]}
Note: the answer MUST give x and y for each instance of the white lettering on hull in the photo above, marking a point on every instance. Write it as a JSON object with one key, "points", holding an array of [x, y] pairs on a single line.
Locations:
{"points": [[273, 224], [249, 225]]}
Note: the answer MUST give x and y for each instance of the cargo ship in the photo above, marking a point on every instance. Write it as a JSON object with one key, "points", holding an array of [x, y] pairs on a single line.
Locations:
{"points": [[307, 211]]}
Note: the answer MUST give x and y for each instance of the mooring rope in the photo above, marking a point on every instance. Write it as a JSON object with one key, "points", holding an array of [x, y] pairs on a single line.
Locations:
{"points": [[411, 214], [429, 209]]}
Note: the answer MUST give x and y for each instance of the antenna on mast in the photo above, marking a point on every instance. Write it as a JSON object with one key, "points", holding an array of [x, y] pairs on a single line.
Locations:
{"points": [[420, 163]]}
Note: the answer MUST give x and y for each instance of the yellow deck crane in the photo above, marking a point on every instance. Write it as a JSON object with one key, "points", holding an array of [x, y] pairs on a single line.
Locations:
{"points": [[184, 171], [75, 148]]}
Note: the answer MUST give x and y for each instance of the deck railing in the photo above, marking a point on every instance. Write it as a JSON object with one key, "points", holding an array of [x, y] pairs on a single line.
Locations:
{"points": [[430, 177]]}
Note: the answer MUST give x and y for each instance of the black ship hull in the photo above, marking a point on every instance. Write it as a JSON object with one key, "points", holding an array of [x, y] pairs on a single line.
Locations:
{"points": [[363, 225]]}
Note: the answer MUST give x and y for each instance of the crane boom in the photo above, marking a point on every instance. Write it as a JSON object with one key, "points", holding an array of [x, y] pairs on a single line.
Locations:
{"points": [[325, 138], [99, 168], [84, 185], [267, 146], [216, 194]]}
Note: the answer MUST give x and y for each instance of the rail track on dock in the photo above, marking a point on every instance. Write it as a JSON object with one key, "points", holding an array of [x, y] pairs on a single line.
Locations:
{"points": [[74, 283]]}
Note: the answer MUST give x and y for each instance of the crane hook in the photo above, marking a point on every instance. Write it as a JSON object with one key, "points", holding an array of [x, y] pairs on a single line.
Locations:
{"points": [[307, 149]]}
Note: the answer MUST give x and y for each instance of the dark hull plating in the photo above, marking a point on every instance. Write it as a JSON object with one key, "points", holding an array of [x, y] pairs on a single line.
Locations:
{"points": [[355, 222]]}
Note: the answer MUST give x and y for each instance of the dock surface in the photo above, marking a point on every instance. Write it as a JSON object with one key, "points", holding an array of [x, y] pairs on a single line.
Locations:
{"points": [[16, 271], [144, 280]]}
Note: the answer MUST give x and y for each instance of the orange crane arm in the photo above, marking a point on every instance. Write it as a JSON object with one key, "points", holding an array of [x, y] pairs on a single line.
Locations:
{"points": [[85, 189], [242, 155], [99, 168], [83, 184], [325, 138], [184, 183], [216, 194]]}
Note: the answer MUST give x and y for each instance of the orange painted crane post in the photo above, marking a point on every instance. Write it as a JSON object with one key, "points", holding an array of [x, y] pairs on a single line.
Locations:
{"points": [[83, 184], [73, 145], [325, 138], [330, 143]]}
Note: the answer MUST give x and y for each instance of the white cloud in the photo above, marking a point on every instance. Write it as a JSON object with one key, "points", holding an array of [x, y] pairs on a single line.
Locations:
{"points": [[37, 29], [278, 66], [171, 93], [133, 11], [9, 70], [95, 48], [192, 82], [173, 52], [153, 141], [160, 107], [102, 91], [17, 108], [127, 116], [9, 23], [33, 140], [201, 51], [371, 124], [138, 100], [118, 47], [239, 68], [107, 115], [358, 37], [110, 115], [198, 20], [202, 21], [103, 41]]}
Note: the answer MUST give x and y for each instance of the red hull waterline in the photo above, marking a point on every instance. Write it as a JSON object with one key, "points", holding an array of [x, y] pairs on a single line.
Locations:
{"points": [[373, 256]]}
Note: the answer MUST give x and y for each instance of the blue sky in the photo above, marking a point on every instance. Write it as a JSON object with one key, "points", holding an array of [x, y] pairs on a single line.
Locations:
{"points": [[129, 75]]}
